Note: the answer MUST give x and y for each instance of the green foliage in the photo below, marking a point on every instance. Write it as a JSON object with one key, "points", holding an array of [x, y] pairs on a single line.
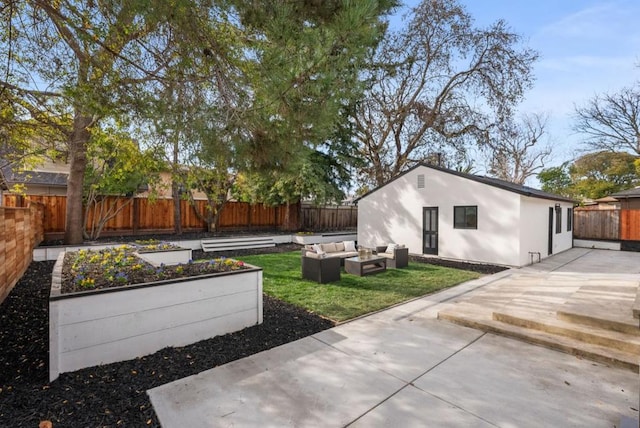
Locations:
{"points": [[318, 176], [352, 296], [593, 175], [267, 79], [556, 180], [117, 168], [306, 71], [599, 174]]}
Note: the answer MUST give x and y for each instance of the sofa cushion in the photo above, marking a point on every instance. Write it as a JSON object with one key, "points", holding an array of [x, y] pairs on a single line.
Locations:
{"points": [[350, 245], [329, 247], [344, 254], [339, 246], [312, 255], [386, 255]]}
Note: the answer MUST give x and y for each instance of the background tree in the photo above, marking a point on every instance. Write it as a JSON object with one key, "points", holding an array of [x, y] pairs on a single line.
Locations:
{"points": [[596, 175], [592, 176], [612, 121], [516, 151], [439, 81], [557, 180], [117, 172]]}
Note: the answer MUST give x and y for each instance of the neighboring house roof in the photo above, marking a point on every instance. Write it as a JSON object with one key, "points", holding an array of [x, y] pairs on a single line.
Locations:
{"points": [[606, 199], [494, 182], [56, 179], [629, 193]]}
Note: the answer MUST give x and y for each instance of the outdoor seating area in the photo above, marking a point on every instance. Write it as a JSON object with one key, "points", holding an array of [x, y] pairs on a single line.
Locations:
{"points": [[323, 263]]}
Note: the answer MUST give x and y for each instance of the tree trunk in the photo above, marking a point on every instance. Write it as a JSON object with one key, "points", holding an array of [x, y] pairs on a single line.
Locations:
{"points": [[177, 213], [175, 190], [74, 222]]}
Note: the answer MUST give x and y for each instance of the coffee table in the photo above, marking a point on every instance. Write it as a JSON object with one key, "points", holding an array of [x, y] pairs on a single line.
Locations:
{"points": [[365, 266]]}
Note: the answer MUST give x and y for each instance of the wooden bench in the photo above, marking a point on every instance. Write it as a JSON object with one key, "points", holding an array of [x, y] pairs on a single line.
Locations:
{"points": [[226, 244]]}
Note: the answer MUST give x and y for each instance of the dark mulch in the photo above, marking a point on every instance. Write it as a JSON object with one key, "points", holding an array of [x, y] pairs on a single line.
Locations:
{"points": [[474, 267], [112, 395]]}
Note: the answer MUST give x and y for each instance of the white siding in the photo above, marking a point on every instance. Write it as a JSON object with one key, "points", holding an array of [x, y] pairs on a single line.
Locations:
{"points": [[393, 213], [534, 229]]}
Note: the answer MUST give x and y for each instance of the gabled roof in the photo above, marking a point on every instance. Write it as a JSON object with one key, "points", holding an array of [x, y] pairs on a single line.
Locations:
{"points": [[56, 179], [494, 182], [629, 193]]}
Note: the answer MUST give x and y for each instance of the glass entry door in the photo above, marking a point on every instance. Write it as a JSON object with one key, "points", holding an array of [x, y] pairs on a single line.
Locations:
{"points": [[430, 230]]}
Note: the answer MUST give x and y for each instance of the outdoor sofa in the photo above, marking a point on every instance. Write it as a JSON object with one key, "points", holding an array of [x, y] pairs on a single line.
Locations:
{"points": [[340, 250], [321, 262], [397, 255]]}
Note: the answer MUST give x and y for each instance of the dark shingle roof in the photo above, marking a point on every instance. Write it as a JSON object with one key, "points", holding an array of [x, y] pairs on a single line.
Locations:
{"points": [[11, 177], [505, 185], [629, 193]]}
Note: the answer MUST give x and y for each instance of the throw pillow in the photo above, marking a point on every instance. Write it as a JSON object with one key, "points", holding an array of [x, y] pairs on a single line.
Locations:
{"points": [[339, 246], [318, 249], [349, 245], [390, 248]]}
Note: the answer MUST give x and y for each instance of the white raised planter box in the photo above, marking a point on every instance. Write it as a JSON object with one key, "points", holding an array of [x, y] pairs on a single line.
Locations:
{"points": [[166, 257], [115, 324]]}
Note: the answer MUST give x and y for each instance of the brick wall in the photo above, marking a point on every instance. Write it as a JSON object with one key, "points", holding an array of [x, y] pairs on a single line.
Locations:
{"points": [[21, 229]]}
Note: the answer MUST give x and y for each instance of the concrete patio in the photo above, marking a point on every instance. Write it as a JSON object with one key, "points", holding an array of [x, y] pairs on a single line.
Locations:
{"points": [[404, 367]]}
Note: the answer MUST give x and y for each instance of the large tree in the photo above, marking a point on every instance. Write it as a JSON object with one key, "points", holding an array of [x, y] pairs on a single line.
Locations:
{"points": [[72, 64], [592, 176], [440, 81], [87, 62], [599, 174], [611, 121], [516, 151]]}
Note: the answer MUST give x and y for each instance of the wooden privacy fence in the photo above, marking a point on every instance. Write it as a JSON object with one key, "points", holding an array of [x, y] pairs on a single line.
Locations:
{"points": [[145, 216], [328, 217], [630, 225], [607, 224], [21, 230]]}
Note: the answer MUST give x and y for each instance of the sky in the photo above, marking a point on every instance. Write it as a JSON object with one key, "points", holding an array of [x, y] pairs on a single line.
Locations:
{"points": [[586, 47]]}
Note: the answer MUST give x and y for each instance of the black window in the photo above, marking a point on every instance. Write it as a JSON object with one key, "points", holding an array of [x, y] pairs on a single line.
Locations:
{"points": [[569, 218], [465, 217], [558, 219]]}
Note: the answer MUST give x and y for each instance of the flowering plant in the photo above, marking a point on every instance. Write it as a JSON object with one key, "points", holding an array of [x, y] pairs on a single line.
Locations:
{"points": [[90, 269]]}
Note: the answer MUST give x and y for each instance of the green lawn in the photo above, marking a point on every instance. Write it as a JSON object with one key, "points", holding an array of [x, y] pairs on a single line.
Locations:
{"points": [[352, 295]]}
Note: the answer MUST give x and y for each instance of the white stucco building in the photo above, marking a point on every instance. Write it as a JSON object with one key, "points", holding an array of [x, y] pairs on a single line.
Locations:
{"points": [[437, 211]]}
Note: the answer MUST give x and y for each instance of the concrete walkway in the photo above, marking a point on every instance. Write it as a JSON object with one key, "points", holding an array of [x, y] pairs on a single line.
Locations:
{"points": [[403, 367]]}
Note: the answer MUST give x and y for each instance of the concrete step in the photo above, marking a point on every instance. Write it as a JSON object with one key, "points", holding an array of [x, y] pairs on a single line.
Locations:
{"points": [[627, 326], [612, 357], [548, 323], [605, 306]]}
